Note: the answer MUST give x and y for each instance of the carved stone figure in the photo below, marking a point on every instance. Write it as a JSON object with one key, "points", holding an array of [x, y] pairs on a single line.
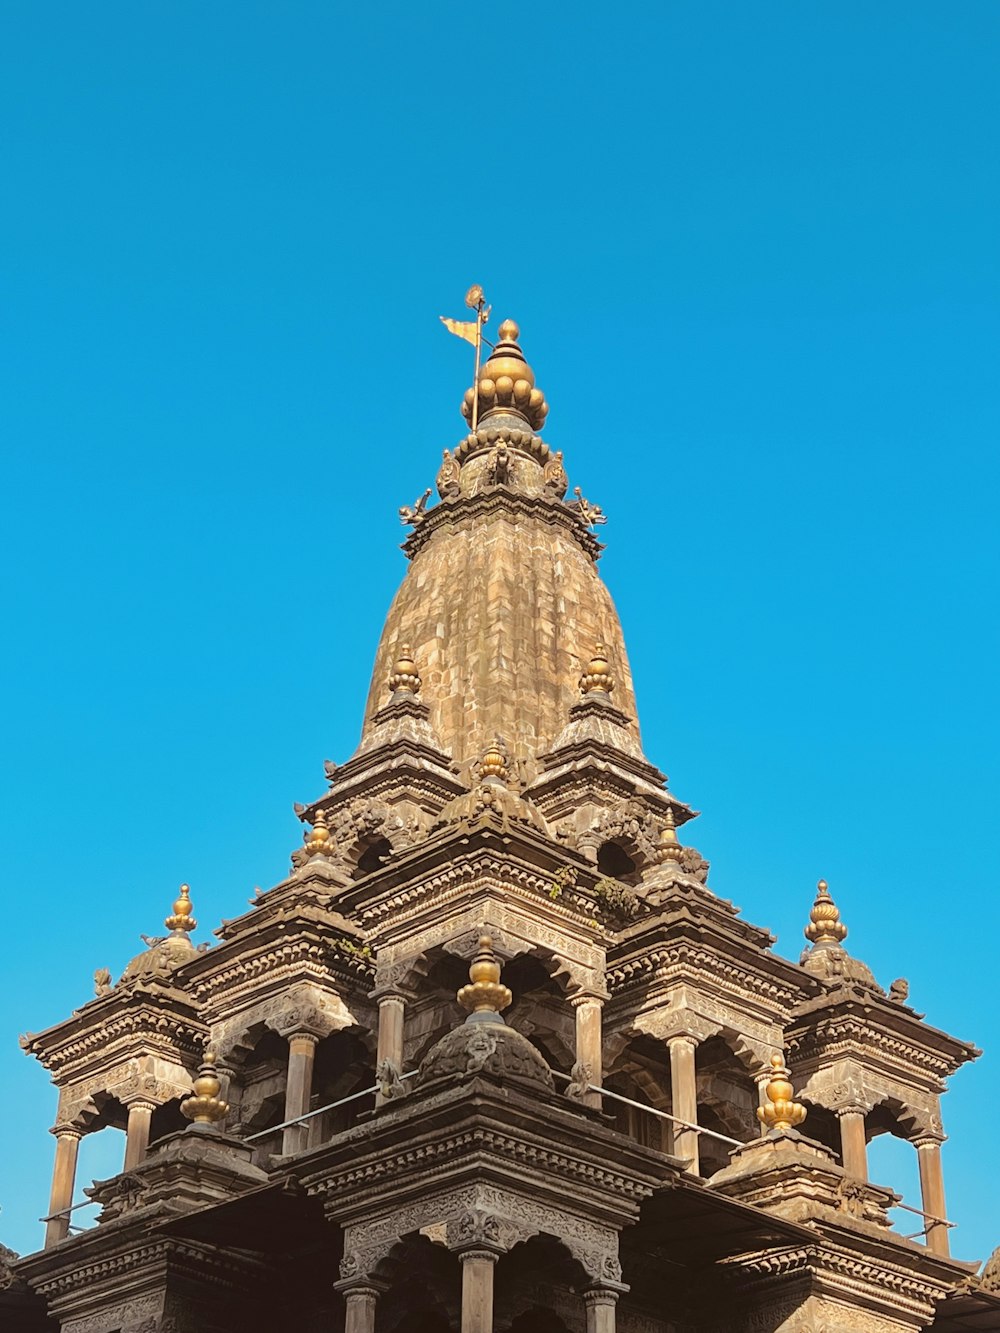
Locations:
{"points": [[102, 982], [410, 515], [500, 466], [591, 515], [390, 1084], [899, 990], [448, 486], [554, 478], [581, 1077]]}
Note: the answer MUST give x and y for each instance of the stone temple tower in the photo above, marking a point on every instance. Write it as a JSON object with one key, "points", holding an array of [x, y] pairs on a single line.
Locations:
{"points": [[494, 1056]]}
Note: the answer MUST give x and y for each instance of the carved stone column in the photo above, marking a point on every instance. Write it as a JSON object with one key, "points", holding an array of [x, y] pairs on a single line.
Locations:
{"points": [[391, 1022], [360, 1299], [589, 1042], [684, 1090], [932, 1191], [63, 1182], [853, 1146], [298, 1090], [140, 1114], [477, 1290], [601, 1303]]}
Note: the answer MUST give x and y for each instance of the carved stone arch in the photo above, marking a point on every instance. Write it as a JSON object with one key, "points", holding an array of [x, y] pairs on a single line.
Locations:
{"points": [[753, 1055], [894, 1115], [545, 1261], [628, 825], [362, 825], [553, 1033]]}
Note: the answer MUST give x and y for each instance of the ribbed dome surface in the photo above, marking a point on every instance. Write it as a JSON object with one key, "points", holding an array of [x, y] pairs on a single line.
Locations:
{"points": [[502, 606]]}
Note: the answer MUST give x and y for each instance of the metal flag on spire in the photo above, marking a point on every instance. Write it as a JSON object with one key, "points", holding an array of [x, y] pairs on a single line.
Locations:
{"points": [[472, 332]]}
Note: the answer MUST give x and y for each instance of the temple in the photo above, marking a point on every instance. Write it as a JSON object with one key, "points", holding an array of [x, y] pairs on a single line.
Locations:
{"points": [[493, 1055]]}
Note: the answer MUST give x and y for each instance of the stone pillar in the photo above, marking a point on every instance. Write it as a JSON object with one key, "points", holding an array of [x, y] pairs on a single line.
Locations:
{"points": [[601, 1303], [853, 1147], [360, 1300], [298, 1090], [684, 1091], [589, 1042], [477, 1290], [391, 1016], [137, 1134], [63, 1182], [932, 1192]]}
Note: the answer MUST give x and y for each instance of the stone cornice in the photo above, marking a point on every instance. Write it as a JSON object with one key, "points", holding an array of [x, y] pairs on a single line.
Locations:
{"points": [[542, 1143], [466, 511], [162, 1019], [852, 1022]]}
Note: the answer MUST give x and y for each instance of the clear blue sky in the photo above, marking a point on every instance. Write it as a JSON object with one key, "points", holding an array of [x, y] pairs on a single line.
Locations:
{"points": [[753, 251]]}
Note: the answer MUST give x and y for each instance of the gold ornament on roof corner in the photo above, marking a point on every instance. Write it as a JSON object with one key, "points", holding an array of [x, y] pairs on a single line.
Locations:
{"points": [[493, 763], [182, 921], [780, 1112], [668, 848], [318, 840], [205, 1107], [825, 925], [486, 993], [597, 677], [405, 675]]}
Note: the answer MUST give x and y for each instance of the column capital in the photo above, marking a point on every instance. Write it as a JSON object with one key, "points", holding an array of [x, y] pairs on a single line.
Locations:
{"points": [[303, 1034], [604, 1293], [851, 1108], [361, 1285], [928, 1138], [581, 997], [683, 1039], [141, 1104], [64, 1130], [478, 1251]]}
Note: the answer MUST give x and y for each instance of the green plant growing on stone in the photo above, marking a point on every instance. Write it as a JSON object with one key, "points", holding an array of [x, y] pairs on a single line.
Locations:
{"points": [[564, 878]]}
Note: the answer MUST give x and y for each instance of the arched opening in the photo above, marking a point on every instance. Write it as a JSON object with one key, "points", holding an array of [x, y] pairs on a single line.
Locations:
{"points": [[257, 1091], [424, 1288], [344, 1065], [167, 1119], [373, 857], [615, 862], [727, 1102], [892, 1160], [642, 1074], [537, 1288], [541, 1011], [823, 1126]]}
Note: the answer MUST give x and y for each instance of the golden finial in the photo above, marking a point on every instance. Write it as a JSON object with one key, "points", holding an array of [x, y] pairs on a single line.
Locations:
{"points": [[668, 848], [205, 1106], [597, 677], [404, 674], [780, 1112], [486, 994], [493, 763], [506, 383], [182, 920], [318, 840], [825, 925]]}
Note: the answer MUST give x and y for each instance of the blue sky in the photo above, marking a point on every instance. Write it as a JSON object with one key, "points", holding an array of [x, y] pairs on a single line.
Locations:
{"points": [[752, 249]]}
